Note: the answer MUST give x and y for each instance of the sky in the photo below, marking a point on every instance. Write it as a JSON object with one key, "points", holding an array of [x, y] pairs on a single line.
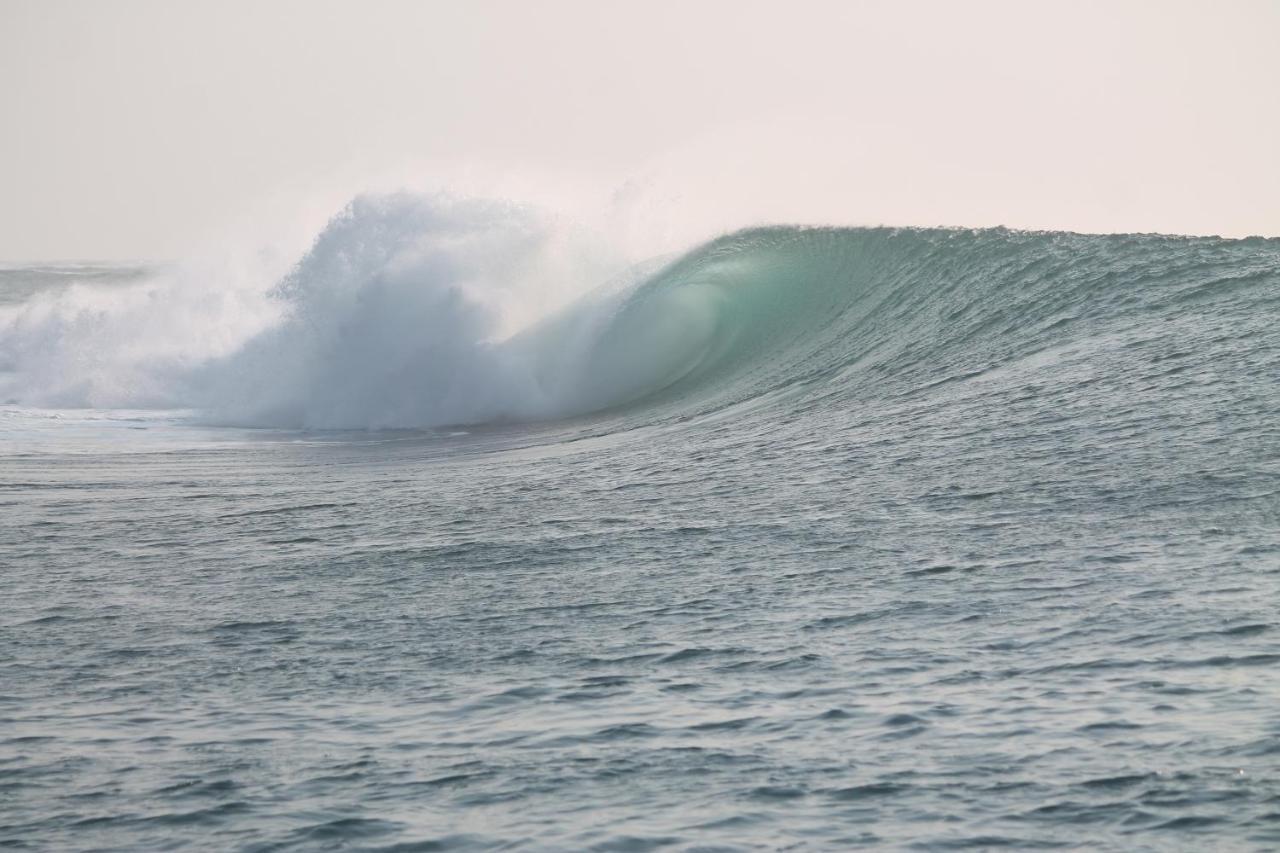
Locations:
{"points": [[136, 128]]}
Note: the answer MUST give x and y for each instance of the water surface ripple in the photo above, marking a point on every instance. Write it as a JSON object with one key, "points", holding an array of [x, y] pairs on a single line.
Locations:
{"points": [[988, 561]]}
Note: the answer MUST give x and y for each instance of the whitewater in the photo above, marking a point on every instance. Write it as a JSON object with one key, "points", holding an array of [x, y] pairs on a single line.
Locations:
{"points": [[470, 527]]}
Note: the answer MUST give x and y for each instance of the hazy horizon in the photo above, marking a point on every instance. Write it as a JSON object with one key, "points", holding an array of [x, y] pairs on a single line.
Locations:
{"points": [[139, 129]]}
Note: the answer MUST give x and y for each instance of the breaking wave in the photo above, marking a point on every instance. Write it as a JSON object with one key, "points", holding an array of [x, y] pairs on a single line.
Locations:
{"points": [[423, 311]]}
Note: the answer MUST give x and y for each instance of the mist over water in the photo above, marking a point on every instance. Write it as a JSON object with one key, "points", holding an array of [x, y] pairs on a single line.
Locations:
{"points": [[473, 527]]}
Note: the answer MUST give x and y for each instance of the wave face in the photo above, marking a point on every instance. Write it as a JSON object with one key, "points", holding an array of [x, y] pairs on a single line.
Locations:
{"points": [[863, 314], [425, 311]]}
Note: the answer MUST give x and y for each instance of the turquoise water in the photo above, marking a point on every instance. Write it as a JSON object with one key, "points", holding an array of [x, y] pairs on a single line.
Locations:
{"points": [[809, 539]]}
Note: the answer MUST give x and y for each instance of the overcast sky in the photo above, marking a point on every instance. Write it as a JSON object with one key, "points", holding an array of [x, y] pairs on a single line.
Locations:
{"points": [[131, 129]]}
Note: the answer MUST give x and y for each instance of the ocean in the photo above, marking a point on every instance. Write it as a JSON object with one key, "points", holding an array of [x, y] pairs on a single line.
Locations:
{"points": [[801, 539]]}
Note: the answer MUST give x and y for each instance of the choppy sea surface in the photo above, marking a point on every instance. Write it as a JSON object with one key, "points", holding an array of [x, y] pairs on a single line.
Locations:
{"points": [[820, 539]]}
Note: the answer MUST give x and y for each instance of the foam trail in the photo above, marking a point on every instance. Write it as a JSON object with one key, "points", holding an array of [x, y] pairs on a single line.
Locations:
{"points": [[131, 341], [396, 317]]}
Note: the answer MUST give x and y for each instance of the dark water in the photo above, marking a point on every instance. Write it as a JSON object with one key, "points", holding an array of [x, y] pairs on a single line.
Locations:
{"points": [[944, 540]]}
